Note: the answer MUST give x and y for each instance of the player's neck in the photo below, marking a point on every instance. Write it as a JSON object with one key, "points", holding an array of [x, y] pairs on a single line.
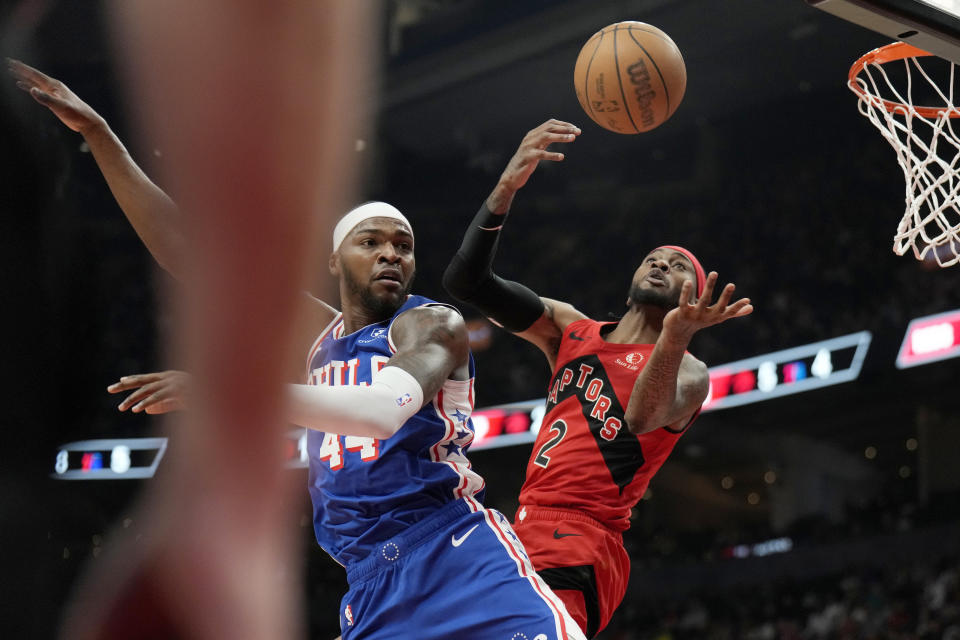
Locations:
{"points": [[356, 316], [642, 324]]}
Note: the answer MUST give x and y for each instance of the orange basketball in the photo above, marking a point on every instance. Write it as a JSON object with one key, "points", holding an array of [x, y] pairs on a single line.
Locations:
{"points": [[630, 77]]}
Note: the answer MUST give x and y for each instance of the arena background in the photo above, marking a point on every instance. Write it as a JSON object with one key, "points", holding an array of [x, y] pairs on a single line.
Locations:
{"points": [[766, 171]]}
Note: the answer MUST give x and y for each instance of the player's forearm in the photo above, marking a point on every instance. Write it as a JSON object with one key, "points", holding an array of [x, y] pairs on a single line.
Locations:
{"points": [[654, 399], [470, 278], [151, 212], [375, 411], [500, 199]]}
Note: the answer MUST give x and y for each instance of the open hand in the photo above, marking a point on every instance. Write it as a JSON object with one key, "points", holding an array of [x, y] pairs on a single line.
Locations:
{"points": [[689, 318], [53, 94], [533, 149], [155, 393]]}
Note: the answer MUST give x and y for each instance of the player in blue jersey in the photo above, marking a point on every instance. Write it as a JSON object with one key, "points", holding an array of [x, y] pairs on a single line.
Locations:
{"points": [[388, 402]]}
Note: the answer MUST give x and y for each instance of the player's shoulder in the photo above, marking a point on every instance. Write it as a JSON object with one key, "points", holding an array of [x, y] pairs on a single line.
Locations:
{"points": [[563, 314], [430, 317], [429, 310]]}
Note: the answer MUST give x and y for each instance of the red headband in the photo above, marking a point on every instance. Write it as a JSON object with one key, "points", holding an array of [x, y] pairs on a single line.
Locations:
{"points": [[697, 267]]}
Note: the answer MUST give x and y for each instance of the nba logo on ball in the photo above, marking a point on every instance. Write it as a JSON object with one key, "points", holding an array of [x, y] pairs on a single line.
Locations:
{"points": [[630, 77]]}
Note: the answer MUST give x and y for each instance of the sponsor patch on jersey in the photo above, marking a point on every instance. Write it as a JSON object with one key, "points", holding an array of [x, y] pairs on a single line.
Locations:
{"points": [[631, 360], [375, 335]]}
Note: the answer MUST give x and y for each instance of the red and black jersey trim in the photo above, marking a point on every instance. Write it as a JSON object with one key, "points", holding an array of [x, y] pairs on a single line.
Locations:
{"points": [[622, 454]]}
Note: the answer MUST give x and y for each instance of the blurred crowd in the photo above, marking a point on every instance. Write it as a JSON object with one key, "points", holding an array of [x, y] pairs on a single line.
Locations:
{"points": [[914, 602]]}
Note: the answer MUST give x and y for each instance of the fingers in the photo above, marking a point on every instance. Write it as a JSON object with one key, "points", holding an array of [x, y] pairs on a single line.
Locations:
{"points": [[163, 406], [550, 132], [559, 126], [149, 396], [540, 140], [725, 296], [154, 400], [26, 73], [549, 138], [740, 308], [543, 154], [134, 381], [21, 71], [707, 294], [40, 96], [138, 396], [685, 293]]}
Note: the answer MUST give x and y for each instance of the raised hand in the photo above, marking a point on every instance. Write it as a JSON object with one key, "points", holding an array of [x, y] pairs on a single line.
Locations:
{"points": [[155, 393], [533, 149], [53, 94], [688, 318]]}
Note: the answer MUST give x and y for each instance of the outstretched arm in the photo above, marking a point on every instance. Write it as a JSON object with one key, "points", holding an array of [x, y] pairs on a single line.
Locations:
{"points": [[470, 278], [431, 347], [152, 213], [673, 384]]}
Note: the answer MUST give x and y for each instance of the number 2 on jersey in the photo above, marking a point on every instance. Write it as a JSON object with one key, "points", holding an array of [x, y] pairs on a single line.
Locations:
{"points": [[542, 459]]}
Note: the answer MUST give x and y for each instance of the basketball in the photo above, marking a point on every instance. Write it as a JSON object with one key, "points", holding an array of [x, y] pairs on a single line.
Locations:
{"points": [[630, 77]]}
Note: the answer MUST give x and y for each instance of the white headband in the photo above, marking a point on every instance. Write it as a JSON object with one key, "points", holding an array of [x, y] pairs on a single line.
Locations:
{"points": [[363, 212]]}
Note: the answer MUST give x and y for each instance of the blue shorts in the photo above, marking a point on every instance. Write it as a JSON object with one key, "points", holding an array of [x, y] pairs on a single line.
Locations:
{"points": [[461, 573]]}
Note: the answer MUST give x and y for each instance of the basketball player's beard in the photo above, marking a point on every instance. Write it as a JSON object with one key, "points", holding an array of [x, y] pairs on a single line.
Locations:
{"points": [[638, 296], [380, 307]]}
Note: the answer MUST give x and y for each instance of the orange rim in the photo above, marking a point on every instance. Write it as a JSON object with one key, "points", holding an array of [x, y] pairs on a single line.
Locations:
{"points": [[883, 55]]}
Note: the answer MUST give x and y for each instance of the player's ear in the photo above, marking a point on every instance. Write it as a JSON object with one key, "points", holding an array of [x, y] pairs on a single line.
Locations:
{"points": [[334, 264]]}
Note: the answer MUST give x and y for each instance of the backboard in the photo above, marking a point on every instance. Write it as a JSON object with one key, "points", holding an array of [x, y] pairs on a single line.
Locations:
{"points": [[931, 25]]}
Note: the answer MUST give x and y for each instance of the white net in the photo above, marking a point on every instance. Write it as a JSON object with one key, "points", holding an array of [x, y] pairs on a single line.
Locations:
{"points": [[917, 120]]}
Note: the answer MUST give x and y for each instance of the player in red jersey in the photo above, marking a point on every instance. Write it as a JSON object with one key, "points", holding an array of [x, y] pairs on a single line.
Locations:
{"points": [[620, 396]]}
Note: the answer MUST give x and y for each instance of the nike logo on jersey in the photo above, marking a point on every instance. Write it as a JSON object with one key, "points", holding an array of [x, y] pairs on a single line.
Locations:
{"points": [[574, 336], [557, 535], [455, 541]]}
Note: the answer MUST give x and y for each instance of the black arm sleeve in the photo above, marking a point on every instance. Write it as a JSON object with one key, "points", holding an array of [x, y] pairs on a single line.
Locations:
{"points": [[469, 277]]}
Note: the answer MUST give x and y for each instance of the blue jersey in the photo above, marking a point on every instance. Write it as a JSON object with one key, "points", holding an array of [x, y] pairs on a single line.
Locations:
{"points": [[364, 490]]}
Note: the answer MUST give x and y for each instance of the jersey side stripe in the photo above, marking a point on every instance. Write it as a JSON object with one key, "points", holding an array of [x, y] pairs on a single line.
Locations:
{"points": [[525, 569], [473, 502]]}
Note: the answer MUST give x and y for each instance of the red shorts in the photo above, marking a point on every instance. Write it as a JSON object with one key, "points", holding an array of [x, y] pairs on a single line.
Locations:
{"points": [[582, 560]]}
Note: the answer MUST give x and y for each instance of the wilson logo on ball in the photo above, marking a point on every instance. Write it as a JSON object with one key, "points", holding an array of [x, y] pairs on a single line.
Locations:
{"points": [[630, 77]]}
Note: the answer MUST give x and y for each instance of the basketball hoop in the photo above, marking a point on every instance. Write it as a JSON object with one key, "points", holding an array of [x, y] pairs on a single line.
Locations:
{"points": [[923, 135]]}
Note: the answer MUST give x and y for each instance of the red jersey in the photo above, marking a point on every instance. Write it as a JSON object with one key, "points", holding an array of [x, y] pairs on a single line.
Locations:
{"points": [[585, 456]]}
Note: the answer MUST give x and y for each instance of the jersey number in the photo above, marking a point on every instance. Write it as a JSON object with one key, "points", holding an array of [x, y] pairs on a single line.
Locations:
{"points": [[542, 459], [332, 450]]}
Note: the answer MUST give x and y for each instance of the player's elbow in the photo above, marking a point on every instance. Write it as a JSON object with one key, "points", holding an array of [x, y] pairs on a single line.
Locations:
{"points": [[641, 422], [367, 427], [383, 429]]}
